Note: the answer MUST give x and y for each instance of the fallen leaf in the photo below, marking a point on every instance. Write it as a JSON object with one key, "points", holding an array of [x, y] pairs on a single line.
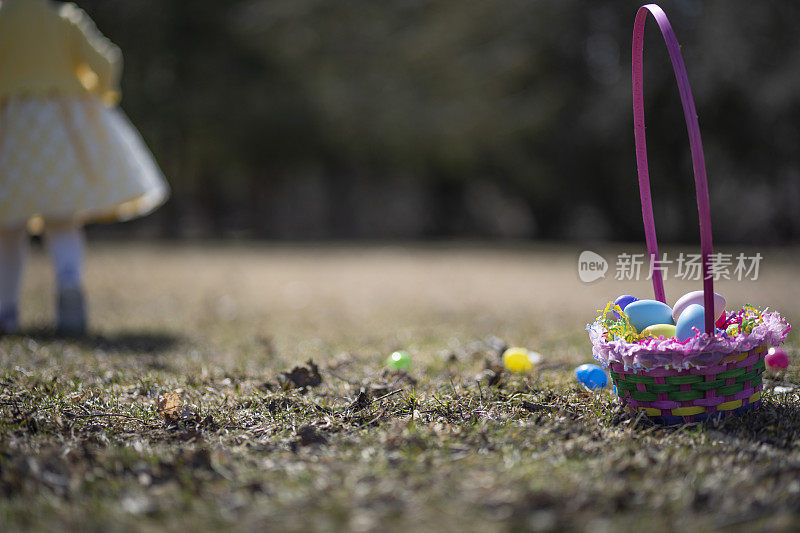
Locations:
{"points": [[173, 409], [362, 401], [534, 407], [303, 377], [492, 375], [308, 435]]}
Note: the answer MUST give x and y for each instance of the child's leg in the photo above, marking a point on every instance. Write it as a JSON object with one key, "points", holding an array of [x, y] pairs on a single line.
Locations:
{"points": [[66, 244], [13, 245]]}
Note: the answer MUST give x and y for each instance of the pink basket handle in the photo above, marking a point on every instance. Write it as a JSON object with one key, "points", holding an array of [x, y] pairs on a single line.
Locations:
{"points": [[698, 161]]}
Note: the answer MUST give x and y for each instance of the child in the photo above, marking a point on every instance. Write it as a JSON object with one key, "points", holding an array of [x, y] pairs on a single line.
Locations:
{"points": [[67, 155]]}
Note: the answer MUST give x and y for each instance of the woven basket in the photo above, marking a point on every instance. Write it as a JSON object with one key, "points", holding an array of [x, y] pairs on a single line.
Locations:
{"points": [[729, 385], [669, 397]]}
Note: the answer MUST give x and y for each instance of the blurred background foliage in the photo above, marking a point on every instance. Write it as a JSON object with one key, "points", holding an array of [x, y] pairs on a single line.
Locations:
{"points": [[357, 119]]}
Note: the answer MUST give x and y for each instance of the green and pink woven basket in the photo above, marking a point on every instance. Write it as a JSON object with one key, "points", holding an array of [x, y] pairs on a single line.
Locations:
{"points": [[714, 374], [676, 397]]}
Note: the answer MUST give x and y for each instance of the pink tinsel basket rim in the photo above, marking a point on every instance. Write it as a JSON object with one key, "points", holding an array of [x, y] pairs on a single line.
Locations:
{"points": [[700, 351]]}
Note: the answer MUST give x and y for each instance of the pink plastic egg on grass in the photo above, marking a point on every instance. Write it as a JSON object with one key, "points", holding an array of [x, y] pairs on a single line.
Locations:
{"points": [[777, 359], [721, 320]]}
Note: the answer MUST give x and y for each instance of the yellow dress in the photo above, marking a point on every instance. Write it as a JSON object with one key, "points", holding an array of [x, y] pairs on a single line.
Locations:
{"points": [[66, 153]]}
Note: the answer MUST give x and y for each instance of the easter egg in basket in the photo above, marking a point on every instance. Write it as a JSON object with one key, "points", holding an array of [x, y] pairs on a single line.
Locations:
{"points": [[644, 313]]}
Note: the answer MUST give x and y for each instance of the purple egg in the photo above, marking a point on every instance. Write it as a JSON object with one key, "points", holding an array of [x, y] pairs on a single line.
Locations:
{"points": [[623, 301]]}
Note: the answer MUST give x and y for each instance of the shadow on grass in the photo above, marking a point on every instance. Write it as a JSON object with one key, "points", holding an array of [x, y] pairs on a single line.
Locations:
{"points": [[776, 424], [141, 342]]}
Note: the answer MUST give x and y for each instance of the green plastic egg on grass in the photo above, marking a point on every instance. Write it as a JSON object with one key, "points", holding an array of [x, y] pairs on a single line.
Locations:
{"points": [[399, 360], [520, 359]]}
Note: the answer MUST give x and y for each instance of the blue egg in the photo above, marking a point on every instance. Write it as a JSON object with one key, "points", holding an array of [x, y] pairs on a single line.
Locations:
{"points": [[643, 313], [591, 376], [623, 301], [693, 316]]}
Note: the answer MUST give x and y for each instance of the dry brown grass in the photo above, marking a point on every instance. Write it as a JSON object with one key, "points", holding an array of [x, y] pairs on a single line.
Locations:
{"points": [[83, 444]]}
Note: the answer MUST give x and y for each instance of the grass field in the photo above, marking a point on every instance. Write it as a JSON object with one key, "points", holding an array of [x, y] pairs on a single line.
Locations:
{"points": [[448, 446]]}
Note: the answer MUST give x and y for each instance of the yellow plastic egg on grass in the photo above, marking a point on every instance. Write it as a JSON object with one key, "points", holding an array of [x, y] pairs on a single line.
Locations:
{"points": [[520, 359]]}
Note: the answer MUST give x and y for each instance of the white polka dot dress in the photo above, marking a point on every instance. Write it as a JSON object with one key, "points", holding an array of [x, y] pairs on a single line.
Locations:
{"points": [[72, 158]]}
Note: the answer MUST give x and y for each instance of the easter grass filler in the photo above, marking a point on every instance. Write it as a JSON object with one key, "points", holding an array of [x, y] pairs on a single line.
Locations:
{"points": [[615, 340], [699, 371]]}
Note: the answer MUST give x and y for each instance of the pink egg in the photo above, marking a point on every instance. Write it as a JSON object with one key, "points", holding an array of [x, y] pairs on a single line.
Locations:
{"points": [[697, 297], [777, 359]]}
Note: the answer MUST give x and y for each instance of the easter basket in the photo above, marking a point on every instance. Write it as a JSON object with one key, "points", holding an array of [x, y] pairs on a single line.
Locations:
{"points": [[713, 372]]}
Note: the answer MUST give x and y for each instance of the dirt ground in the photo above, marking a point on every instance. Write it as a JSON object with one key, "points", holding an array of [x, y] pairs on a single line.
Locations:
{"points": [[210, 330]]}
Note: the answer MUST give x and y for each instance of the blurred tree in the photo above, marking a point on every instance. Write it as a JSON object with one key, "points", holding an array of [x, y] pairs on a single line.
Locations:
{"points": [[409, 118]]}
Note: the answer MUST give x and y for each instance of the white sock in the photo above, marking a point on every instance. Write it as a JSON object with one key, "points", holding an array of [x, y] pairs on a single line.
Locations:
{"points": [[13, 245], [66, 244]]}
